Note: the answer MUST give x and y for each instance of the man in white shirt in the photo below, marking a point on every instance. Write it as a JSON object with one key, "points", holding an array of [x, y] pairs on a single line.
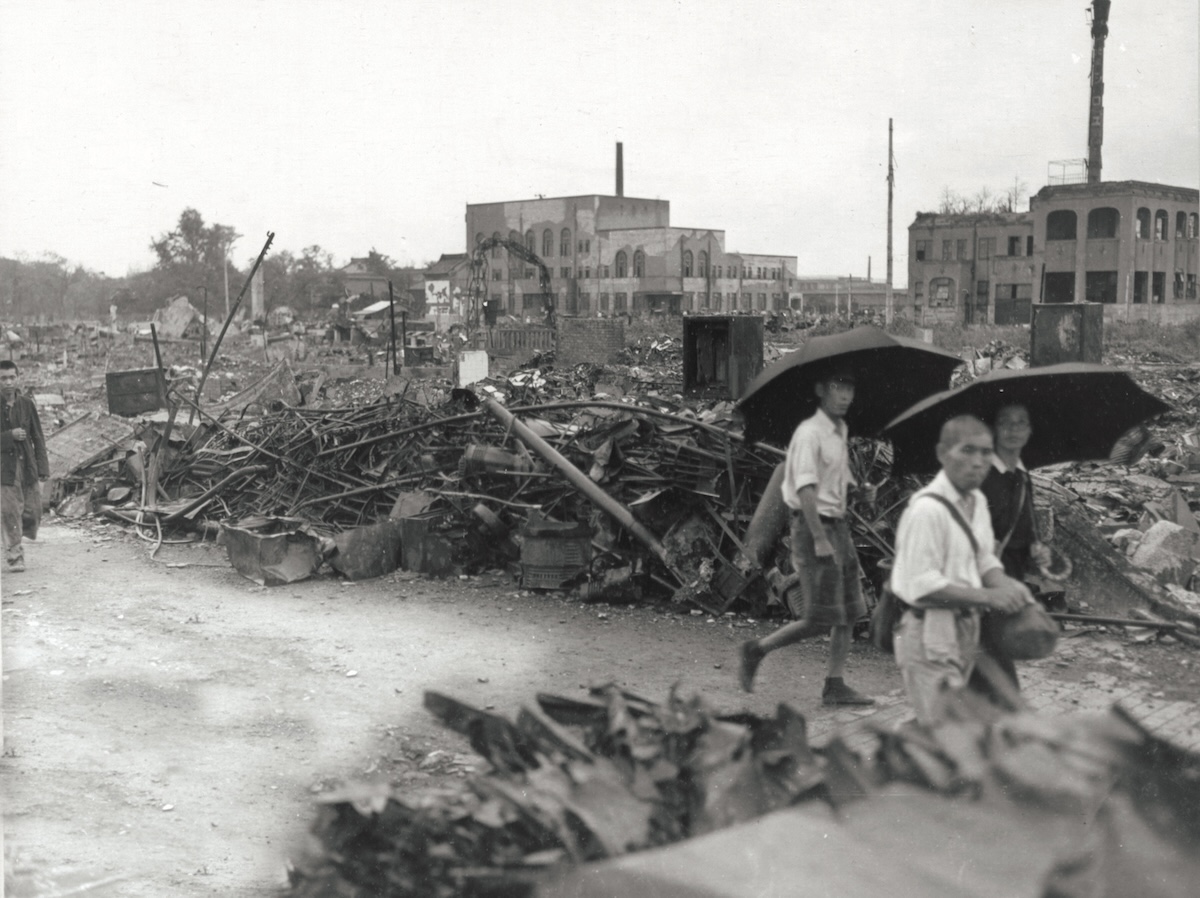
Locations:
{"points": [[816, 481], [944, 581]]}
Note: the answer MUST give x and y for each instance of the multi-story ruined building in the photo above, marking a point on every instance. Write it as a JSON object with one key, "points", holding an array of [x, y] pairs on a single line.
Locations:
{"points": [[613, 255], [971, 267], [1118, 242], [1121, 243]]}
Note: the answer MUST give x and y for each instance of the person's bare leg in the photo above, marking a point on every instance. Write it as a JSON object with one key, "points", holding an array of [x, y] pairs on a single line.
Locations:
{"points": [[754, 650], [836, 692], [839, 650], [788, 634]]}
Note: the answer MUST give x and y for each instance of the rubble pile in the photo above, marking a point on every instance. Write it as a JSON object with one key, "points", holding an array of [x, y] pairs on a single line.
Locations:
{"points": [[334, 451], [992, 356], [419, 453], [1069, 806]]}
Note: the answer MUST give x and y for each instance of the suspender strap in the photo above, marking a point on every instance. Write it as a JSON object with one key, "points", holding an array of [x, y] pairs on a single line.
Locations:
{"points": [[957, 515]]}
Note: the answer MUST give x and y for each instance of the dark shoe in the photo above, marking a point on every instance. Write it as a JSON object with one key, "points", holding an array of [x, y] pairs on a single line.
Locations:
{"points": [[16, 567], [836, 692], [750, 655]]}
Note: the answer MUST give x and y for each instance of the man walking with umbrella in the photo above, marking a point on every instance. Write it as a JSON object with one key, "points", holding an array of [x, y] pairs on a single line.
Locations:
{"points": [[816, 482], [946, 570]]}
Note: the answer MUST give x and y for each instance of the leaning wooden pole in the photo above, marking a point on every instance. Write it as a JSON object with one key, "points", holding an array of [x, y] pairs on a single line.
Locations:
{"points": [[229, 320], [160, 451], [581, 482]]}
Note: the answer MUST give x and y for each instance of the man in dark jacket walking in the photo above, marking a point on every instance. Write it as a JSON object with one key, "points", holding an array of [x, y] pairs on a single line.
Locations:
{"points": [[23, 465]]}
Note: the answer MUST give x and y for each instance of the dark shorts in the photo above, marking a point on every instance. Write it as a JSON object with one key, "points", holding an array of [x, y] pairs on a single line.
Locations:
{"points": [[829, 587]]}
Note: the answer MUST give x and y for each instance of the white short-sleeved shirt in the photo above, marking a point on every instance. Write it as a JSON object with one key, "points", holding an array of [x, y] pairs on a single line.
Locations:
{"points": [[819, 455], [933, 552]]}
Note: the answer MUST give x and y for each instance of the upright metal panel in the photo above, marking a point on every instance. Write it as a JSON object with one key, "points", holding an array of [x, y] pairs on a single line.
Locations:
{"points": [[721, 353], [1066, 332]]}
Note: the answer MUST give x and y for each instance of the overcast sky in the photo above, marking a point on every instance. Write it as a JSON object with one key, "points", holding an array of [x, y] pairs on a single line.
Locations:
{"points": [[357, 124]]}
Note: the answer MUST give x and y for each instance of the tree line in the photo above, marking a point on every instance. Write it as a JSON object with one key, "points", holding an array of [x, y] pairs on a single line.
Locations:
{"points": [[192, 259], [985, 199]]}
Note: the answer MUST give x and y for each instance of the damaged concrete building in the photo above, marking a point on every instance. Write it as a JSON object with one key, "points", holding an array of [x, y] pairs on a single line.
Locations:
{"points": [[1126, 244], [1131, 246], [618, 255]]}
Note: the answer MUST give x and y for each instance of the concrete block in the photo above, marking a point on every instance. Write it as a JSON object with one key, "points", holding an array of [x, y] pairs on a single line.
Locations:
{"points": [[1174, 538], [1169, 552]]}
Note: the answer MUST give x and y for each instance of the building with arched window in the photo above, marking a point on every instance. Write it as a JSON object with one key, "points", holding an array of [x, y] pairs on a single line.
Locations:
{"points": [[621, 255], [1120, 243], [1123, 251]]}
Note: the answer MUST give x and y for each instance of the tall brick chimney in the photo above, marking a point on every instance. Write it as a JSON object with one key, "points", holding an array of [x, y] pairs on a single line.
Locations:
{"points": [[620, 171], [1096, 110]]}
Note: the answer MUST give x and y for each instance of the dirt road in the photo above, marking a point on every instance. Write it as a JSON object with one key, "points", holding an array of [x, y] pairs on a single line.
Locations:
{"points": [[169, 722]]}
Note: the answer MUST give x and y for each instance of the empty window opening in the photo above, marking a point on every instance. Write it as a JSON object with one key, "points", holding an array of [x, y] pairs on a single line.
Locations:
{"points": [[1100, 286], [941, 292], [1141, 225], [1160, 225], [1103, 224], [1060, 225], [1141, 281], [1059, 286]]}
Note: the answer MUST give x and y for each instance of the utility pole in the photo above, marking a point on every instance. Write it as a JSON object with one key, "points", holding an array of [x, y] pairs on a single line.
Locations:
{"points": [[225, 271], [889, 301]]}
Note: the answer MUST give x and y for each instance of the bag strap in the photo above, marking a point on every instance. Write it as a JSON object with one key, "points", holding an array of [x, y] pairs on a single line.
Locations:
{"points": [[957, 515], [1016, 514]]}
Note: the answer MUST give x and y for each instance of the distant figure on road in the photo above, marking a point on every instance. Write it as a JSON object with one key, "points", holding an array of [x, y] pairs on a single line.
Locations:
{"points": [[23, 464], [946, 570], [816, 481]]}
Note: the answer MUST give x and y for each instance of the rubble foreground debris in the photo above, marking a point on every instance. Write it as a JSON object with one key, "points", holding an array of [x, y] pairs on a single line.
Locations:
{"points": [[612, 793]]}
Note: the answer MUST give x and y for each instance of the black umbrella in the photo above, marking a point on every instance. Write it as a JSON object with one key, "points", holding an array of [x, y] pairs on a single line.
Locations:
{"points": [[892, 373], [1078, 411]]}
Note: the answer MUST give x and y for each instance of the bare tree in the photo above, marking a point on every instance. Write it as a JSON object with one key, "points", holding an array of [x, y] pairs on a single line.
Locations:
{"points": [[1016, 191], [983, 200]]}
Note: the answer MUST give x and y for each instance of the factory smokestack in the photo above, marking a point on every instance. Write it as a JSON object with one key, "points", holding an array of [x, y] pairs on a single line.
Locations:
{"points": [[1096, 112], [620, 171]]}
